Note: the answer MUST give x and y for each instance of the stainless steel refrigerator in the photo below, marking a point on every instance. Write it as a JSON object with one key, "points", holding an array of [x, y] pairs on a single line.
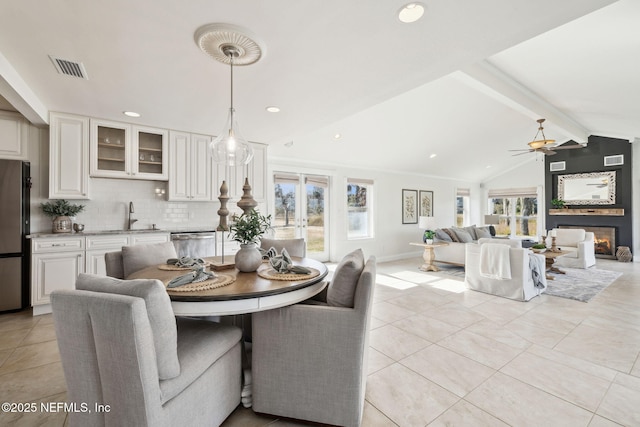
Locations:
{"points": [[15, 183]]}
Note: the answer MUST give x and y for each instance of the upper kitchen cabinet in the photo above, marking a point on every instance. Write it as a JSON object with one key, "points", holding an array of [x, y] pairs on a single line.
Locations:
{"points": [[120, 150], [14, 135], [189, 167], [68, 156], [255, 171]]}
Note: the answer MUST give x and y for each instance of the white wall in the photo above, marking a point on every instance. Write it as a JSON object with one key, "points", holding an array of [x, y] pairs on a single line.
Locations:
{"points": [[391, 237]]}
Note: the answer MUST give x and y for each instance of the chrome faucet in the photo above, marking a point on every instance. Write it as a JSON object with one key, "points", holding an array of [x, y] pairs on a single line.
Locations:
{"points": [[131, 220]]}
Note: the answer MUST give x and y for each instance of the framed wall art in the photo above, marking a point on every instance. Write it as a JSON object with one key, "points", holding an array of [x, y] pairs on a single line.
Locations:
{"points": [[426, 203], [409, 206]]}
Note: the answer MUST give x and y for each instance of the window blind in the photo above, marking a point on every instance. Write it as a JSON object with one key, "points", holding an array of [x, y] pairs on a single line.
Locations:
{"points": [[512, 192]]}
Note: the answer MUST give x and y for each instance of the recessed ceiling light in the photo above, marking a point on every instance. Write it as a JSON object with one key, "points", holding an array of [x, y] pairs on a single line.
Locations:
{"points": [[411, 12], [432, 156], [489, 167], [273, 109], [288, 144], [131, 113], [337, 136]]}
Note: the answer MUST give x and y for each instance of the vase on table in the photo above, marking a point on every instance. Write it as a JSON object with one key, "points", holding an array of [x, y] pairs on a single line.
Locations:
{"points": [[248, 258]]}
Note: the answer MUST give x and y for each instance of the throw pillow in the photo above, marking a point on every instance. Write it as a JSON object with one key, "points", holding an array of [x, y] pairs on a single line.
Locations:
{"points": [[472, 231], [161, 317], [482, 232], [451, 234], [441, 235], [135, 258], [463, 235], [342, 288]]}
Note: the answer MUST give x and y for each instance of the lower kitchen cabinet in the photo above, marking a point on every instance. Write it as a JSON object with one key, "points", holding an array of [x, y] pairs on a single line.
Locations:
{"points": [[54, 271], [56, 261]]}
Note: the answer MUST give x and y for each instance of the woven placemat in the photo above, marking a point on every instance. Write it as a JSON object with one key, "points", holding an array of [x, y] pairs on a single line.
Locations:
{"points": [[272, 274], [219, 281], [170, 267]]}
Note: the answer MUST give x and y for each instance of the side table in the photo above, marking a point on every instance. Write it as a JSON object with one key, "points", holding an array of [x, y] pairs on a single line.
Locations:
{"points": [[429, 255]]}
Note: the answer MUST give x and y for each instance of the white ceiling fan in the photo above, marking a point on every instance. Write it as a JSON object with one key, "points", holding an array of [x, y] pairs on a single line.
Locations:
{"points": [[544, 145]]}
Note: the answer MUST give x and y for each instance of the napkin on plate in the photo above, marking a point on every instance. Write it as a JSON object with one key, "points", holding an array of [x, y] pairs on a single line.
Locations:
{"points": [[283, 264], [195, 276], [186, 262]]}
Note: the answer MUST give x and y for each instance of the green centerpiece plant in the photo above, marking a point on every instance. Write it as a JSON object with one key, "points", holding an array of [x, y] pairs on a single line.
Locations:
{"points": [[557, 203], [61, 211]]}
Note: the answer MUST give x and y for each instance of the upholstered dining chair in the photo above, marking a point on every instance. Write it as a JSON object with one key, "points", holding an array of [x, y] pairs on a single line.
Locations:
{"points": [[309, 360], [120, 264], [121, 346], [295, 247]]}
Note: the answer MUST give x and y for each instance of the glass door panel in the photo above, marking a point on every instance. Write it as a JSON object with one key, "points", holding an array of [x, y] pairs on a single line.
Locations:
{"points": [[111, 149], [300, 211]]}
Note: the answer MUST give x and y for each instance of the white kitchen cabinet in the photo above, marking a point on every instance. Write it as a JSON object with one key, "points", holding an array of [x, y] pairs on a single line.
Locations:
{"points": [[68, 156], [97, 246], [149, 238], [55, 264], [150, 151], [235, 176], [120, 150], [14, 136], [189, 167]]}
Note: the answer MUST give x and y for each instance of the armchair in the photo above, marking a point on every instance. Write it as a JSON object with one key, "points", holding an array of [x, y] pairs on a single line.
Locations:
{"points": [[120, 346], [580, 244], [310, 359], [120, 264], [520, 287]]}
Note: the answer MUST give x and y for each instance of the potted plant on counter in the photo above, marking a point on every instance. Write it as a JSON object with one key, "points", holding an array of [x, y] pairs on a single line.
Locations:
{"points": [[61, 211], [247, 230]]}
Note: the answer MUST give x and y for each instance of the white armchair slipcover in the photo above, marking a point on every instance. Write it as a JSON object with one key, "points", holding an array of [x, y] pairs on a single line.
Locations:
{"points": [[580, 244], [520, 287]]}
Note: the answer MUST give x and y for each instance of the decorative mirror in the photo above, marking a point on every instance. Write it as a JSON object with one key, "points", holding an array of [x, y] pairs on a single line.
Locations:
{"points": [[595, 188]]}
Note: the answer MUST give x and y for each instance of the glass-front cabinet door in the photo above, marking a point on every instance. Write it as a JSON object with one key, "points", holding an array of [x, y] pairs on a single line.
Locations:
{"points": [[120, 150], [110, 149], [150, 147]]}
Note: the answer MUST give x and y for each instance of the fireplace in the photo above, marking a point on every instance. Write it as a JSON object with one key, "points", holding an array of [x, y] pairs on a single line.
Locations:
{"points": [[605, 239]]}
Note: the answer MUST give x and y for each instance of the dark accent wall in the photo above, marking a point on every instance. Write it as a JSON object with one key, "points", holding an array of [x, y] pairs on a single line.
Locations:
{"points": [[591, 159]]}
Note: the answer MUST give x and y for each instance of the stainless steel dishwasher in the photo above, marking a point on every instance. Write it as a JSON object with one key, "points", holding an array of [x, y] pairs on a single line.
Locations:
{"points": [[195, 244]]}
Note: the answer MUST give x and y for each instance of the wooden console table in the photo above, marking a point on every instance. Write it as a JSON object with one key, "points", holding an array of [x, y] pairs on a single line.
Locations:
{"points": [[429, 255]]}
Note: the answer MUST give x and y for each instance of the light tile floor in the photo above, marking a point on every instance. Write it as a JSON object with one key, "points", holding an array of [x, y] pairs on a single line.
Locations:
{"points": [[440, 356]]}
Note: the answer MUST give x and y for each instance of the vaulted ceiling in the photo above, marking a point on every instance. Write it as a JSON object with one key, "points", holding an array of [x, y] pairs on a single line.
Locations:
{"points": [[466, 82]]}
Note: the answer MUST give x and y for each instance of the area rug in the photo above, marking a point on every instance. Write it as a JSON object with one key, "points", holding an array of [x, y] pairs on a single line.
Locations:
{"points": [[580, 284]]}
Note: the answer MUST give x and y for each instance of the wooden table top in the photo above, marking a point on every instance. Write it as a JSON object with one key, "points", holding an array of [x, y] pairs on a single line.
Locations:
{"points": [[246, 285], [429, 245]]}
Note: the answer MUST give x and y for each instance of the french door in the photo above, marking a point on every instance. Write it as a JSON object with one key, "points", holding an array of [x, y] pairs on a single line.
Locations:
{"points": [[301, 210]]}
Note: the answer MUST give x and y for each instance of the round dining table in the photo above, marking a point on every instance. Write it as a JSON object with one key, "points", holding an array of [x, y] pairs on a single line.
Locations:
{"points": [[247, 293]]}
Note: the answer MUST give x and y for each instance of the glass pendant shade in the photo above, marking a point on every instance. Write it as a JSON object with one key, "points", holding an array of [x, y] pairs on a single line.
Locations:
{"points": [[230, 147]]}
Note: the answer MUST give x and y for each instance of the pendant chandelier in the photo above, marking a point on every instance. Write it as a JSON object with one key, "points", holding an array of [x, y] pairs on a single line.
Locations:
{"points": [[230, 147], [539, 143], [229, 44]]}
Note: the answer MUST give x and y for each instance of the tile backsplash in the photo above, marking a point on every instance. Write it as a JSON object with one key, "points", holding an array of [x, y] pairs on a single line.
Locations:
{"points": [[109, 206]]}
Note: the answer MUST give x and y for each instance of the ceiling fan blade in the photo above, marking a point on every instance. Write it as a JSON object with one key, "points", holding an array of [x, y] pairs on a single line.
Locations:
{"points": [[548, 152], [522, 150], [519, 154]]}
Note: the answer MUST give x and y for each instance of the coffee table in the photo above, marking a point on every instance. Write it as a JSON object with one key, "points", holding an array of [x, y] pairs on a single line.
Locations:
{"points": [[550, 259]]}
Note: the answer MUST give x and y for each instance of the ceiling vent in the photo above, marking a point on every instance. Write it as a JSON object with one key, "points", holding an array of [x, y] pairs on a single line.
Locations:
{"points": [[616, 160], [69, 68]]}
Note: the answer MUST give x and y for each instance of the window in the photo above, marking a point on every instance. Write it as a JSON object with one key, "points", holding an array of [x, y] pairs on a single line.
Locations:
{"points": [[518, 211], [359, 208], [462, 207]]}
